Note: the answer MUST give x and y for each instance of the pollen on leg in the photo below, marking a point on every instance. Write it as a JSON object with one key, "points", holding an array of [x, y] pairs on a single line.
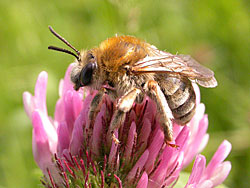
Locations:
{"points": [[115, 139], [173, 145]]}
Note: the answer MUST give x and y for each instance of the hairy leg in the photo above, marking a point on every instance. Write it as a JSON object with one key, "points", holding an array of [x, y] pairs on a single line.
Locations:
{"points": [[125, 103], [154, 91], [95, 103]]}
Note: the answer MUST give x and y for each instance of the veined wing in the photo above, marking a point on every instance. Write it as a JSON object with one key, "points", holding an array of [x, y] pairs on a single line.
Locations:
{"points": [[184, 65]]}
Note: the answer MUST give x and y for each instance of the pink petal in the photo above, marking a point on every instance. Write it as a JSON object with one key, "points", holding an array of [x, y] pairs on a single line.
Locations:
{"points": [[144, 135], [174, 169], [150, 111], [67, 84], [203, 143], [98, 131], [180, 141], [59, 115], [77, 134], [60, 89], [63, 138], [40, 143], [117, 162], [154, 149], [132, 116], [219, 156], [39, 100], [69, 110], [40, 92], [49, 130], [130, 142], [176, 130], [195, 121], [112, 155], [77, 103], [139, 108], [205, 184], [86, 106], [197, 171], [193, 146], [138, 166], [85, 111], [160, 173], [182, 138], [143, 182], [221, 173], [28, 102]]}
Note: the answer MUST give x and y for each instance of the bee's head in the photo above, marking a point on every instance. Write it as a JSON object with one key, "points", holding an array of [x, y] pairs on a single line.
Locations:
{"points": [[82, 72]]}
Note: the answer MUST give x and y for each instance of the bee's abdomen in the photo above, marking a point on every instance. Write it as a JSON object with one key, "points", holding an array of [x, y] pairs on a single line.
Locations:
{"points": [[182, 102]]}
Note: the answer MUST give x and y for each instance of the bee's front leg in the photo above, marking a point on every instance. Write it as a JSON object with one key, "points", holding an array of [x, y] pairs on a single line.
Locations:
{"points": [[95, 103], [125, 103], [154, 91]]}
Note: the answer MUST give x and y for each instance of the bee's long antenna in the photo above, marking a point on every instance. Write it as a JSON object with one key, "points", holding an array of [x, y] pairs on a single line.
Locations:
{"points": [[63, 50], [64, 40]]}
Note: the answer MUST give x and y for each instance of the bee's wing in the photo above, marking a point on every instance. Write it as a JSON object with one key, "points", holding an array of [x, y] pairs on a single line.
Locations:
{"points": [[184, 65]]}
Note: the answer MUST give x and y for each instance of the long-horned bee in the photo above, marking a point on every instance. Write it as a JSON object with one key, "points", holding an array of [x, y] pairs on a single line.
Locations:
{"points": [[128, 69]]}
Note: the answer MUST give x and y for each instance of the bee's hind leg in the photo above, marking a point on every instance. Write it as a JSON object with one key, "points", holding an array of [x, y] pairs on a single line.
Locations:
{"points": [[154, 91], [124, 105]]}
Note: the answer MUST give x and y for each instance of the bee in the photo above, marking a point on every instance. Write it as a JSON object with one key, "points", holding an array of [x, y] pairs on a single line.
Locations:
{"points": [[128, 69]]}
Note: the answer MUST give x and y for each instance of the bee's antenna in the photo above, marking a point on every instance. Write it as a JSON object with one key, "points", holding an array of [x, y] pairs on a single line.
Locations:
{"points": [[63, 50], [66, 42]]}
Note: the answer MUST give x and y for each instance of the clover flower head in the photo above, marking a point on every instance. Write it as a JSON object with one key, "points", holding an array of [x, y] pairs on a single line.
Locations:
{"points": [[73, 152]]}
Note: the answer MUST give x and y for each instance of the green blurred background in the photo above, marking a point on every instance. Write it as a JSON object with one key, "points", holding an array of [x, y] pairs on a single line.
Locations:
{"points": [[215, 32]]}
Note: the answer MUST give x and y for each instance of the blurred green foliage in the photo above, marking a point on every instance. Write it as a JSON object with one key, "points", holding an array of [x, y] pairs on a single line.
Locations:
{"points": [[214, 32]]}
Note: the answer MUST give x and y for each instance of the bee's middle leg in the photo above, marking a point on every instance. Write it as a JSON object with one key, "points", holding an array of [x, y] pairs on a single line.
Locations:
{"points": [[125, 103], [154, 91]]}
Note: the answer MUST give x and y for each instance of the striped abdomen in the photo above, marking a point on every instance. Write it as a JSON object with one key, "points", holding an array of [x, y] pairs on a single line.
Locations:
{"points": [[180, 96]]}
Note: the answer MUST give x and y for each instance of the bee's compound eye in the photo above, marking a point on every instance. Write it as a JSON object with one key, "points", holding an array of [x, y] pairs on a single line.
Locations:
{"points": [[86, 74]]}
